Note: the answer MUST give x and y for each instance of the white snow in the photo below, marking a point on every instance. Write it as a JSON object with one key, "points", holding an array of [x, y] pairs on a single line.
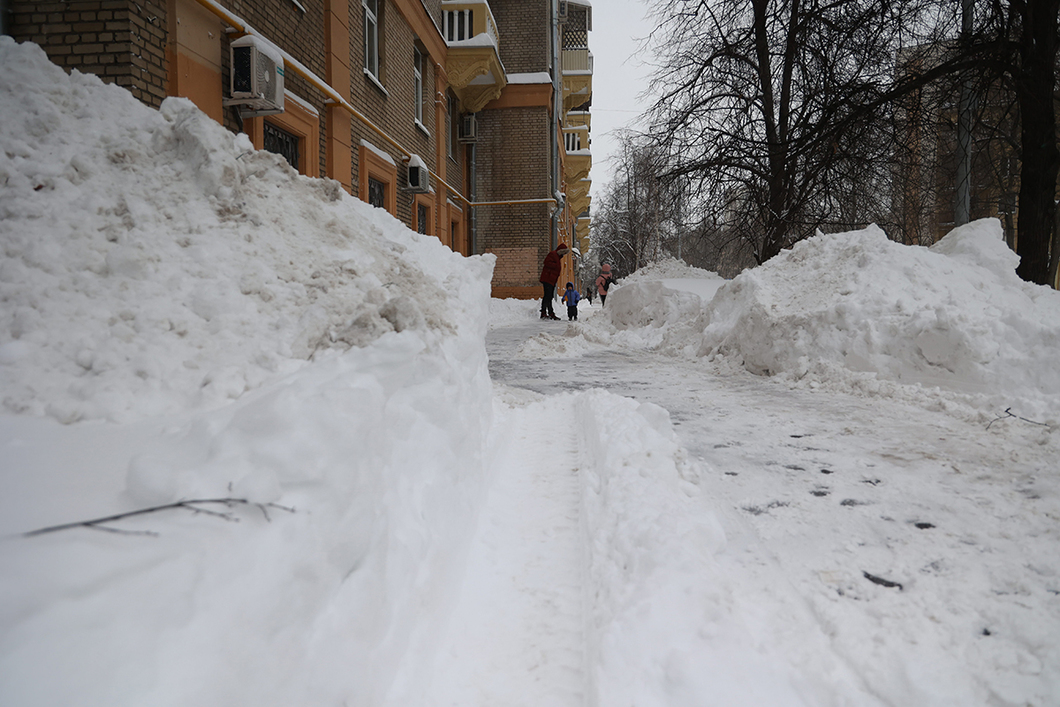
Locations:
{"points": [[629, 512], [534, 77]]}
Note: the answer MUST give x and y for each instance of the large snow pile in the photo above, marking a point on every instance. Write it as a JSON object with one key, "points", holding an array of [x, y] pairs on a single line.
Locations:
{"points": [[954, 315], [181, 266], [659, 297], [856, 309], [257, 337], [669, 269]]}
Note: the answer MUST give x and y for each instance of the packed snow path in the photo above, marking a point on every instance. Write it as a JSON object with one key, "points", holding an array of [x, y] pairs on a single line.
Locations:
{"points": [[912, 547], [518, 634]]}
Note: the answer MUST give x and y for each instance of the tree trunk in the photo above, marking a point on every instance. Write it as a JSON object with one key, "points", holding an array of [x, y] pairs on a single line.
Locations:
{"points": [[1041, 158]]}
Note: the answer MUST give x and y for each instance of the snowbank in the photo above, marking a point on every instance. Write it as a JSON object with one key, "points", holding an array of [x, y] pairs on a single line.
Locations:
{"points": [[253, 335], [670, 269], [650, 543], [181, 267], [954, 316], [857, 310]]}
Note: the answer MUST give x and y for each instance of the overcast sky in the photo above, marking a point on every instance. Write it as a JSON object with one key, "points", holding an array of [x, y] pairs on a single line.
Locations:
{"points": [[620, 76]]}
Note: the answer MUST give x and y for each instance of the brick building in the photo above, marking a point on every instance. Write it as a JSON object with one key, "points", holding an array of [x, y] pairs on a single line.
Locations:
{"points": [[465, 120]]}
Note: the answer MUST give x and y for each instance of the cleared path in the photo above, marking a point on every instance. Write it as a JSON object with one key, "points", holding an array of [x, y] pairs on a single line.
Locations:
{"points": [[518, 634]]}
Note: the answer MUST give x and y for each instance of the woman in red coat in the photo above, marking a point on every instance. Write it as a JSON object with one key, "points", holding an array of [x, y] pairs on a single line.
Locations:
{"points": [[549, 278]]}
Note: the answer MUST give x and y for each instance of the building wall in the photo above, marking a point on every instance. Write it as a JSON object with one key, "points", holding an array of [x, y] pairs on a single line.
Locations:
{"points": [[524, 29], [514, 154], [157, 48], [121, 41], [300, 34], [513, 164], [390, 102]]}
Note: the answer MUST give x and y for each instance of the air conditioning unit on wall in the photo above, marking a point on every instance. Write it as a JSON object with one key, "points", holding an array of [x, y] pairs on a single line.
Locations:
{"points": [[469, 128], [257, 77], [419, 177]]}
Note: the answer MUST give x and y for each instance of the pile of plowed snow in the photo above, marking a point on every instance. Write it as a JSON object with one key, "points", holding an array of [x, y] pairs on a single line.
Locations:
{"points": [[152, 261], [954, 315], [303, 362], [670, 269], [852, 308]]}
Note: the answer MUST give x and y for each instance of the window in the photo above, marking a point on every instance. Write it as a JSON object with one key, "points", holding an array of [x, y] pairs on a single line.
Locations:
{"points": [[293, 134], [451, 138], [417, 84], [377, 179], [421, 218], [376, 193], [371, 37], [282, 143]]}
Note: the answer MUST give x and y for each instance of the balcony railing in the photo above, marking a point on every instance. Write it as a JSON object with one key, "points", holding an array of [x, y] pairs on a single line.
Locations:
{"points": [[577, 60], [463, 20], [576, 139]]}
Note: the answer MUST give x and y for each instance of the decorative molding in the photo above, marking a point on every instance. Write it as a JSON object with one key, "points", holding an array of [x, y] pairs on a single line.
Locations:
{"points": [[464, 65], [576, 167]]}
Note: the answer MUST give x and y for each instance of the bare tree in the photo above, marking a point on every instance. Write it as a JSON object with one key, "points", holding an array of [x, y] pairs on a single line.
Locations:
{"points": [[801, 110], [635, 219], [760, 99]]}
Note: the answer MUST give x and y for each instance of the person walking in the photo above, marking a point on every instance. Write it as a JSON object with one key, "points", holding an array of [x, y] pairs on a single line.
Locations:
{"points": [[549, 278], [571, 297], [603, 281]]}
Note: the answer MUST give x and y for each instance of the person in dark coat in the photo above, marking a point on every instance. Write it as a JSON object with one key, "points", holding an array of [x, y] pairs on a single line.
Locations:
{"points": [[549, 278]]}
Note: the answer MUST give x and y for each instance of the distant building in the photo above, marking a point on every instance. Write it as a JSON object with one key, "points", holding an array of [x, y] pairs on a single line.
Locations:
{"points": [[925, 196], [466, 120]]}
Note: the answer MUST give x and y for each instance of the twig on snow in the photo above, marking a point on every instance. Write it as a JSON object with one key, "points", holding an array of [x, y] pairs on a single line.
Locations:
{"points": [[193, 505], [1009, 413], [881, 581]]}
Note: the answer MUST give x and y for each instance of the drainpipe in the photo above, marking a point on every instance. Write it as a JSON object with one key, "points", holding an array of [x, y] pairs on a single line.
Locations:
{"points": [[557, 108], [472, 216]]}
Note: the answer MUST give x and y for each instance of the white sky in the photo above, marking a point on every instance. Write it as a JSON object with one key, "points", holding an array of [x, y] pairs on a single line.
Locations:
{"points": [[620, 76]]}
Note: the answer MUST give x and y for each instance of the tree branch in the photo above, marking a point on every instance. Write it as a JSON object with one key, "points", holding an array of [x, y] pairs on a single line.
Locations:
{"points": [[192, 505]]}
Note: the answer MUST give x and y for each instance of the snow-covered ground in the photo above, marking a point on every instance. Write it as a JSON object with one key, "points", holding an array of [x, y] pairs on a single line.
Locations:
{"points": [[830, 481]]}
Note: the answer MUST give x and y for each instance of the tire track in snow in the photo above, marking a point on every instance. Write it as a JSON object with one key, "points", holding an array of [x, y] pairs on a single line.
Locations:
{"points": [[518, 632]]}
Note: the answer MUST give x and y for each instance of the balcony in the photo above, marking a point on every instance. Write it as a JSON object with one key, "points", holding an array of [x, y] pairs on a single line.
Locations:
{"points": [[474, 66], [578, 189], [577, 77], [578, 160], [580, 205], [577, 60], [577, 119], [581, 232]]}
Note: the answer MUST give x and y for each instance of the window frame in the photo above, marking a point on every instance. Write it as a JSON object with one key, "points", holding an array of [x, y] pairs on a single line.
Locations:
{"points": [[372, 165], [417, 88], [452, 137], [426, 202], [372, 59], [298, 119]]}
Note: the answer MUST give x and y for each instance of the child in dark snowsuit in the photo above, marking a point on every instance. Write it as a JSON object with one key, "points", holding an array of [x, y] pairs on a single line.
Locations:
{"points": [[571, 297]]}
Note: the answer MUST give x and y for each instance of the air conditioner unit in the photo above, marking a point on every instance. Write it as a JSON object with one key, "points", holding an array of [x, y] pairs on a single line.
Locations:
{"points": [[469, 128], [419, 177], [257, 77]]}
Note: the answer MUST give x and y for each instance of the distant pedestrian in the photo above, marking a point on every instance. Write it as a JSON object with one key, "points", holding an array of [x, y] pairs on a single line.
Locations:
{"points": [[603, 282], [549, 278], [571, 297]]}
